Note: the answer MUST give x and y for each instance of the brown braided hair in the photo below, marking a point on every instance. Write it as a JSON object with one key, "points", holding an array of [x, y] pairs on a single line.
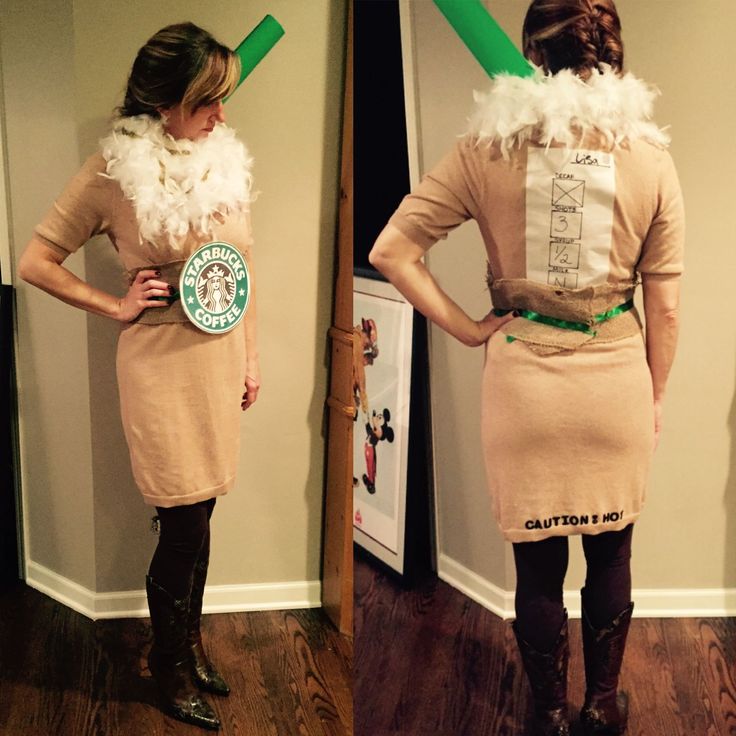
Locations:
{"points": [[573, 34]]}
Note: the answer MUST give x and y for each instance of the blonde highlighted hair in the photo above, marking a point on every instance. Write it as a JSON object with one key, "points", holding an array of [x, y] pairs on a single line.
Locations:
{"points": [[180, 64], [573, 34]]}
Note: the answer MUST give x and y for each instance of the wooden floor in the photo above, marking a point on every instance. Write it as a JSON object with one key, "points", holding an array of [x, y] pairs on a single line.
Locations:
{"points": [[431, 661], [64, 675]]}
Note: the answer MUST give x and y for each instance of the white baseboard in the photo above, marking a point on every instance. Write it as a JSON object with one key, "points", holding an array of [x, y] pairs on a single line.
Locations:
{"points": [[650, 603], [132, 603], [477, 588]]}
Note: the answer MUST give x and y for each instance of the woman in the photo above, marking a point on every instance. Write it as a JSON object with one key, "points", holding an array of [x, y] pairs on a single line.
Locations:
{"points": [[169, 178], [575, 197]]}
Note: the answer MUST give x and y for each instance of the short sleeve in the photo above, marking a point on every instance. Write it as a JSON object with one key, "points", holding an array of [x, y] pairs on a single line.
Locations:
{"points": [[82, 211], [444, 199], [663, 248]]}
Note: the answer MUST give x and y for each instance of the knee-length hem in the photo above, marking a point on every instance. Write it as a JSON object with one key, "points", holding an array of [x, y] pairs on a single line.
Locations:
{"points": [[167, 501], [536, 535]]}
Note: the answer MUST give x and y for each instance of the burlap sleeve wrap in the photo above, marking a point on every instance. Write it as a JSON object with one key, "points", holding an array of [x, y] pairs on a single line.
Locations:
{"points": [[573, 305], [172, 312]]}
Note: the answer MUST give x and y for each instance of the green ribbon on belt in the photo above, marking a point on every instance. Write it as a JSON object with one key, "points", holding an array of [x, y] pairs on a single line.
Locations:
{"points": [[565, 324]]}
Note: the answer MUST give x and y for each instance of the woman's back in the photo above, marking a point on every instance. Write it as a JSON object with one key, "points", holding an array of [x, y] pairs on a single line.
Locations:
{"points": [[566, 215]]}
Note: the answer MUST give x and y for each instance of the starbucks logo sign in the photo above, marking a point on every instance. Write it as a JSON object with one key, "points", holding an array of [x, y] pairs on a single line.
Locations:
{"points": [[215, 287]]}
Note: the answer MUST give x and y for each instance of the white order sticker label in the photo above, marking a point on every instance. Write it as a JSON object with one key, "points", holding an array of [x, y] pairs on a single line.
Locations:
{"points": [[569, 216]]}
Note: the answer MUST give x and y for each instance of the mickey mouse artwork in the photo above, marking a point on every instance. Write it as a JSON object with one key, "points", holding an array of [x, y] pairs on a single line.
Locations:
{"points": [[377, 430]]}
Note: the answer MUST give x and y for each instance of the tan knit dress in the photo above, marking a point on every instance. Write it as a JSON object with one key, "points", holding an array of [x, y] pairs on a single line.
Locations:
{"points": [[180, 388], [567, 417]]}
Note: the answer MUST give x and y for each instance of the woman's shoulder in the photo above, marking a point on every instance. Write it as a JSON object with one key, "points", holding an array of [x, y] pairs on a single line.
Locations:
{"points": [[93, 166], [473, 152], [89, 187], [646, 160], [644, 148], [93, 174], [94, 184]]}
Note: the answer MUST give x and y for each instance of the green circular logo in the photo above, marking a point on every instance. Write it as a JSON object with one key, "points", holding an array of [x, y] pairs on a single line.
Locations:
{"points": [[215, 287]]}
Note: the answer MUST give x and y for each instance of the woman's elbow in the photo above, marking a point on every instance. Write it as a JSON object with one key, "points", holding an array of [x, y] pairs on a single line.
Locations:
{"points": [[664, 319], [379, 258], [393, 253], [25, 268], [34, 263], [387, 253], [671, 318], [375, 257]]}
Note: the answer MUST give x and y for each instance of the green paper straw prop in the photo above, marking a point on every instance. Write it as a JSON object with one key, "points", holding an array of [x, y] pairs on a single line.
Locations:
{"points": [[485, 39], [256, 45]]}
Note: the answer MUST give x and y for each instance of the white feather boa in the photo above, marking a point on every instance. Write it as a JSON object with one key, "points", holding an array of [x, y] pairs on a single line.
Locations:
{"points": [[177, 185], [564, 108]]}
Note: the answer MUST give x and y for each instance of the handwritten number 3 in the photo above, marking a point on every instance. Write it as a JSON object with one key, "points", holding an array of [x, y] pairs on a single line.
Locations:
{"points": [[562, 221]]}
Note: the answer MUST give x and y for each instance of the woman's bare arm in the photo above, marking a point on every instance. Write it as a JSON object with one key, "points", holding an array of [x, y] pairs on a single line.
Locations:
{"points": [[252, 367], [43, 268], [661, 309], [399, 259]]}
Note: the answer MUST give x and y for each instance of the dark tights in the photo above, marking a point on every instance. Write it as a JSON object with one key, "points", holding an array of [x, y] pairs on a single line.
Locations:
{"points": [[184, 536], [540, 574]]}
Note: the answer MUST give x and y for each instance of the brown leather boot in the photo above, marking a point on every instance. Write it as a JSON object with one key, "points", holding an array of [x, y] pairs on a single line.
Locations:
{"points": [[605, 711], [204, 674], [547, 675], [169, 659]]}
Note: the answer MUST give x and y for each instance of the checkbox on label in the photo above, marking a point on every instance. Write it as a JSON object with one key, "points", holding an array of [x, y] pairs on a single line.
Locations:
{"points": [[564, 255], [568, 225], [565, 279], [568, 192]]}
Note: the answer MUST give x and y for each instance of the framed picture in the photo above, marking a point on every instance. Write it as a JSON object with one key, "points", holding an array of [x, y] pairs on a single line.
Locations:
{"points": [[381, 387]]}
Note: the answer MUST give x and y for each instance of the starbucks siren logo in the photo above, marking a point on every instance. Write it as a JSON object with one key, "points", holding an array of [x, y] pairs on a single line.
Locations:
{"points": [[215, 287]]}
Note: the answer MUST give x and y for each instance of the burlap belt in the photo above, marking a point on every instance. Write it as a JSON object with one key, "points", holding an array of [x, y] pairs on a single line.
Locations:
{"points": [[172, 312], [554, 318]]}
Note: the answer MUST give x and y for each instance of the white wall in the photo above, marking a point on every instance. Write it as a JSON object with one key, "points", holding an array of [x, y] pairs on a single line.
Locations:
{"points": [[53, 355], [687, 533], [64, 68]]}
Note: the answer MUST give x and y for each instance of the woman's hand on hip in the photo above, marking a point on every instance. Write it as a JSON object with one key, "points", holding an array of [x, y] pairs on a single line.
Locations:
{"points": [[42, 266], [488, 325], [140, 295]]}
